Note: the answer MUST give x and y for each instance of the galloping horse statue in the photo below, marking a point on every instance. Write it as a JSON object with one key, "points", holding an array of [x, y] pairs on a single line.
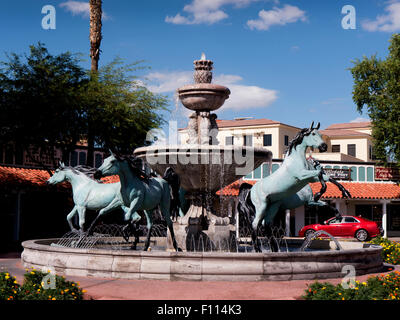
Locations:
{"points": [[139, 192], [303, 197], [87, 192], [267, 195]]}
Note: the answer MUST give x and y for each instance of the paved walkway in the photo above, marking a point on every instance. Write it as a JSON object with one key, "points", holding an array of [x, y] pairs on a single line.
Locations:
{"points": [[111, 289]]}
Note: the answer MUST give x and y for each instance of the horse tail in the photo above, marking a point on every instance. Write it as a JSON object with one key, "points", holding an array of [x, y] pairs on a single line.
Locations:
{"points": [[174, 185], [245, 206]]}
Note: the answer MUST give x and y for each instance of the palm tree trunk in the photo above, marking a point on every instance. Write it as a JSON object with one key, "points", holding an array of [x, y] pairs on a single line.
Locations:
{"points": [[95, 32], [95, 41]]}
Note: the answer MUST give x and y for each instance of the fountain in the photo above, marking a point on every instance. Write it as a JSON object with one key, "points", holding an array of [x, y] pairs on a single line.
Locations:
{"points": [[203, 166], [211, 250]]}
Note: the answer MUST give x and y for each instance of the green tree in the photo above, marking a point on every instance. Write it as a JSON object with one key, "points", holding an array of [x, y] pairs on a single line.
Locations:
{"points": [[49, 101], [119, 111], [377, 89], [39, 101]]}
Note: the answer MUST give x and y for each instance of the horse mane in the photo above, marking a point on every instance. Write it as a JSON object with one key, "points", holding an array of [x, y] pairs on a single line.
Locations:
{"points": [[298, 139], [86, 170], [135, 164]]}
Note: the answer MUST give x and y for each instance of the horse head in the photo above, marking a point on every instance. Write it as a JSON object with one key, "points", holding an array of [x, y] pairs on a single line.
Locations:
{"points": [[58, 176], [110, 166], [312, 138]]}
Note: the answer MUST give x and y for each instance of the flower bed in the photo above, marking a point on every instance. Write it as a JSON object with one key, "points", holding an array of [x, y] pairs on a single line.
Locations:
{"points": [[35, 288], [391, 250], [383, 287]]}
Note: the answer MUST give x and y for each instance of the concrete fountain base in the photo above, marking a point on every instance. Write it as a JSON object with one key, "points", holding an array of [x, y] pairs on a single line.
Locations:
{"points": [[206, 266]]}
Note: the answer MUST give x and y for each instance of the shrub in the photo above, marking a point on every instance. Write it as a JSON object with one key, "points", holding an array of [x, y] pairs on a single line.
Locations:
{"points": [[384, 287], [9, 287], [34, 287], [391, 249]]}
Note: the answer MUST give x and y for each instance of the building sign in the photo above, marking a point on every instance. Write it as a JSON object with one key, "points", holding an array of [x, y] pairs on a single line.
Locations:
{"points": [[387, 174], [339, 174]]}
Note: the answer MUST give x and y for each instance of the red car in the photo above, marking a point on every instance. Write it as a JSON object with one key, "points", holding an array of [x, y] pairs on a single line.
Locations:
{"points": [[347, 226]]}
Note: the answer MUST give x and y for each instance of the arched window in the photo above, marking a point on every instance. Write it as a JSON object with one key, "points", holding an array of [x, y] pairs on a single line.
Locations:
{"points": [[275, 167], [361, 174], [257, 173], [265, 170], [353, 174], [370, 174]]}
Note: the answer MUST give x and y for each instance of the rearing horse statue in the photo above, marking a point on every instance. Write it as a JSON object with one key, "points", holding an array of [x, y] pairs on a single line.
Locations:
{"points": [[140, 192], [266, 196]]}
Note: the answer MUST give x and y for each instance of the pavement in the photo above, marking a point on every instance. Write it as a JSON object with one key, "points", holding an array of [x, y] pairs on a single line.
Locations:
{"points": [[119, 289]]}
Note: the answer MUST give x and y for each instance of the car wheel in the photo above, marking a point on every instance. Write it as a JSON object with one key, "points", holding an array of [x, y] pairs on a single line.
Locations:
{"points": [[362, 235], [308, 233]]}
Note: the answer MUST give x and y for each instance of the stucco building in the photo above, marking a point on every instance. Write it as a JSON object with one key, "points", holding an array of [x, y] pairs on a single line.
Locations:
{"points": [[350, 159]]}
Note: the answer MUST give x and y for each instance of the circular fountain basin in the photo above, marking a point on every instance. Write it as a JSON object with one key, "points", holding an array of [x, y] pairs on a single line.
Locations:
{"points": [[203, 96], [205, 266], [204, 168]]}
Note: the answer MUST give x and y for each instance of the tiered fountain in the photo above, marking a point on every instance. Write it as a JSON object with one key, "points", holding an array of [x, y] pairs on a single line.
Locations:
{"points": [[203, 166]]}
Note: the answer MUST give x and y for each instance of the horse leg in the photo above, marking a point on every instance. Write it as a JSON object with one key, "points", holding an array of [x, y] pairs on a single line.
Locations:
{"points": [[268, 219], [69, 218], [149, 217], [260, 213], [114, 204], [164, 207], [82, 217]]}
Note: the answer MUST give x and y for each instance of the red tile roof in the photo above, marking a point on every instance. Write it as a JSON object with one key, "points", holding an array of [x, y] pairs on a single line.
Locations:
{"points": [[245, 123], [349, 125], [27, 177], [357, 190], [343, 132]]}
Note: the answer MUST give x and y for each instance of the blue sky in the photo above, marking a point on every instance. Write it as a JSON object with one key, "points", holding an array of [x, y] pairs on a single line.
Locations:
{"points": [[283, 60]]}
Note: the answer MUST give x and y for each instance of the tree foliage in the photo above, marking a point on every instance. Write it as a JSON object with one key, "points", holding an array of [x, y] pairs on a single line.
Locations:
{"points": [[49, 101], [377, 89]]}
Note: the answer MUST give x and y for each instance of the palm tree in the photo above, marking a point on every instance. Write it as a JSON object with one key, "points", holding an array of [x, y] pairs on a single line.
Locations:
{"points": [[95, 32], [95, 41]]}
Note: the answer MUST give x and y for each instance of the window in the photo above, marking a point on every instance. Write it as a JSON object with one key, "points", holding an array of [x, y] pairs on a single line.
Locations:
{"points": [[19, 156], [361, 174], [286, 140], [351, 150], [98, 160], [248, 140], [372, 153], [335, 221], [257, 173], [370, 173], [82, 158], [229, 141], [74, 159], [9, 155], [336, 148], [267, 140], [350, 220]]}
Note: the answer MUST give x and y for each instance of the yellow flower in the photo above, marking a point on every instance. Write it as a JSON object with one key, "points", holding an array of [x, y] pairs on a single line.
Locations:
{"points": [[7, 277], [32, 272], [53, 299], [84, 291]]}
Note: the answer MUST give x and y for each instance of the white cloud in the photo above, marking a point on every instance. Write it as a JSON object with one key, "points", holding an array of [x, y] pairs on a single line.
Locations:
{"points": [[79, 8], [360, 119], [277, 16], [205, 11], [242, 96], [389, 22]]}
